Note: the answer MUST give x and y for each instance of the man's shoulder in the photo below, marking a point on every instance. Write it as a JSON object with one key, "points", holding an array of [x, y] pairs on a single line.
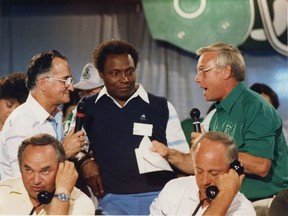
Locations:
{"points": [[90, 99], [182, 182], [81, 202], [241, 206], [156, 97], [9, 184]]}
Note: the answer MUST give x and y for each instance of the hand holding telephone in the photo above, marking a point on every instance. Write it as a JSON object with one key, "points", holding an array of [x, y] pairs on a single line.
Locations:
{"points": [[212, 191], [45, 197]]}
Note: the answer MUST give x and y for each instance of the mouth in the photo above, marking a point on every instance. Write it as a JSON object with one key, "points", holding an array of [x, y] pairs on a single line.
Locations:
{"points": [[37, 189], [124, 88], [205, 90]]}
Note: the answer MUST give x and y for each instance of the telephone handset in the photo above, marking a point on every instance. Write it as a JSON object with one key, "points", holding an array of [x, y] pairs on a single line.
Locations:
{"points": [[45, 197], [212, 191]]}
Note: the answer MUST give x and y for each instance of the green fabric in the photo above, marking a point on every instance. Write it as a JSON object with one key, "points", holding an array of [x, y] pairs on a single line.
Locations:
{"points": [[187, 127], [66, 123], [257, 129], [191, 24]]}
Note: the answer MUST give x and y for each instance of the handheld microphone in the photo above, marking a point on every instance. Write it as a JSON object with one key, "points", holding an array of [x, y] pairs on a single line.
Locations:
{"points": [[195, 115], [79, 116]]}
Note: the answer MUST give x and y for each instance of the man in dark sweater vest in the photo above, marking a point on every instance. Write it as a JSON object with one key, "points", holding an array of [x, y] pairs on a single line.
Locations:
{"points": [[116, 121]]}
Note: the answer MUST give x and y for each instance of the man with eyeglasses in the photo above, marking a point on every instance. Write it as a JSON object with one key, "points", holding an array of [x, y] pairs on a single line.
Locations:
{"points": [[49, 81], [247, 117]]}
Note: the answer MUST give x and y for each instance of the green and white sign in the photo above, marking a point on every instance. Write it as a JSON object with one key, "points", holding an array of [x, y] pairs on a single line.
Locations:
{"points": [[191, 24]]}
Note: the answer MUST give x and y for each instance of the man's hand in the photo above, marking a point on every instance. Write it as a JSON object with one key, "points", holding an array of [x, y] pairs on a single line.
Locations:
{"points": [[160, 148], [65, 181], [182, 161], [66, 177], [195, 135], [91, 174], [73, 143], [230, 182], [228, 185]]}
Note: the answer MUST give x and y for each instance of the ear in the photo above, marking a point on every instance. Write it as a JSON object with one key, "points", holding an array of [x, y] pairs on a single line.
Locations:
{"points": [[100, 74], [42, 84], [227, 72]]}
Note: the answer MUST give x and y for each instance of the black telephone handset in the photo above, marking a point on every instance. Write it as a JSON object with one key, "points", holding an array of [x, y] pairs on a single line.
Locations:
{"points": [[45, 197], [212, 191]]}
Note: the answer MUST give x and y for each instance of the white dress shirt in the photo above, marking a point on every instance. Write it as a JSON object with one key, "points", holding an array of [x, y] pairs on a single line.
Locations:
{"points": [[28, 119], [181, 196]]}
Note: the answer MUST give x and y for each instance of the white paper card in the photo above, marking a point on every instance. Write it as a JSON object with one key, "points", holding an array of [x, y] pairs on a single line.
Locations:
{"points": [[149, 161], [142, 129]]}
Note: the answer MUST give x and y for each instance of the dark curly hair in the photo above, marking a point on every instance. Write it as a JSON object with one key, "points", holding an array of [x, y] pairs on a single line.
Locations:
{"points": [[41, 64], [113, 47], [263, 88], [13, 86]]}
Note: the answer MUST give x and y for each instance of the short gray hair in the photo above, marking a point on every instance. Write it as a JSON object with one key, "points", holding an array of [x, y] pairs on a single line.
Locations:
{"points": [[227, 141], [227, 55], [42, 140]]}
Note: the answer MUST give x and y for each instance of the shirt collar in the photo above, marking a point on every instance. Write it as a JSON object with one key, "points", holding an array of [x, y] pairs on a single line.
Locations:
{"points": [[139, 92], [195, 193], [40, 112], [233, 96]]}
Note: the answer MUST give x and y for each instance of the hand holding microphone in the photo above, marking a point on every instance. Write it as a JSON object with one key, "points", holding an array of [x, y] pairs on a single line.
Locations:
{"points": [[75, 140], [80, 115], [195, 115]]}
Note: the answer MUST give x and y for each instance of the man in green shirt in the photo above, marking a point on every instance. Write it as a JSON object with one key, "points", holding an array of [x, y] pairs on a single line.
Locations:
{"points": [[244, 115]]}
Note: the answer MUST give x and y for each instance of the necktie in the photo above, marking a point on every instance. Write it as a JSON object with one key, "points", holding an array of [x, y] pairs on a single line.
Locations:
{"points": [[57, 127]]}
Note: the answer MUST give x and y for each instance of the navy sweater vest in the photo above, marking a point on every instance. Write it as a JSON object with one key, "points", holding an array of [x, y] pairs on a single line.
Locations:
{"points": [[110, 131]]}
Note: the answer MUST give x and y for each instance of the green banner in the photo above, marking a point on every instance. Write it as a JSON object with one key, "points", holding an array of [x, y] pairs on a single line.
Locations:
{"points": [[191, 24]]}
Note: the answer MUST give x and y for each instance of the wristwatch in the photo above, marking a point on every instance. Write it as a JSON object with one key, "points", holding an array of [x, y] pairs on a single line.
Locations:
{"points": [[62, 197]]}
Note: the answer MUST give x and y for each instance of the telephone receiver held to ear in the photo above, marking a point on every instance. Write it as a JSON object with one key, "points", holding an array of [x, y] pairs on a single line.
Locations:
{"points": [[212, 191], [45, 197]]}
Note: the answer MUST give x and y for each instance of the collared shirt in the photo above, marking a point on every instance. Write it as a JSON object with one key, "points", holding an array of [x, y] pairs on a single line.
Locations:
{"points": [[14, 199], [174, 133], [257, 130], [181, 197], [28, 119]]}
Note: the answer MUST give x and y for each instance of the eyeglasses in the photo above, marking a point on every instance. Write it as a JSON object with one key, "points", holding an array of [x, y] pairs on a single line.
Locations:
{"points": [[203, 72], [67, 82]]}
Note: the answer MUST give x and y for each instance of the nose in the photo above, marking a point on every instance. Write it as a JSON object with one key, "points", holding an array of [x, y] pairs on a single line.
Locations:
{"points": [[206, 180], [197, 78], [70, 87], [36, 178], [124, 78]]}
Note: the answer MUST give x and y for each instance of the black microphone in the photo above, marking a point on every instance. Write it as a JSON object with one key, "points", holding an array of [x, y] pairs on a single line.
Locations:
{"points": [[195, 115], [79, 116]]}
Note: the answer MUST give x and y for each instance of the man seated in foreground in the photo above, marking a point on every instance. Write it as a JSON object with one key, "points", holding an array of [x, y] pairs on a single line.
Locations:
{"points": [[212, 154], [44, 168]]}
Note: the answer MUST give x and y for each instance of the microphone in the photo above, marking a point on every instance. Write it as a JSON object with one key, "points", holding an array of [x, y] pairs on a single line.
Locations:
{"points": [[79, 116], [195, 114]]}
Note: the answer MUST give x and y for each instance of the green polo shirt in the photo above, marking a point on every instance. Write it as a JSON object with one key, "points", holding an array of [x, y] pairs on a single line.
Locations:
{"points": [[257, 130]]}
